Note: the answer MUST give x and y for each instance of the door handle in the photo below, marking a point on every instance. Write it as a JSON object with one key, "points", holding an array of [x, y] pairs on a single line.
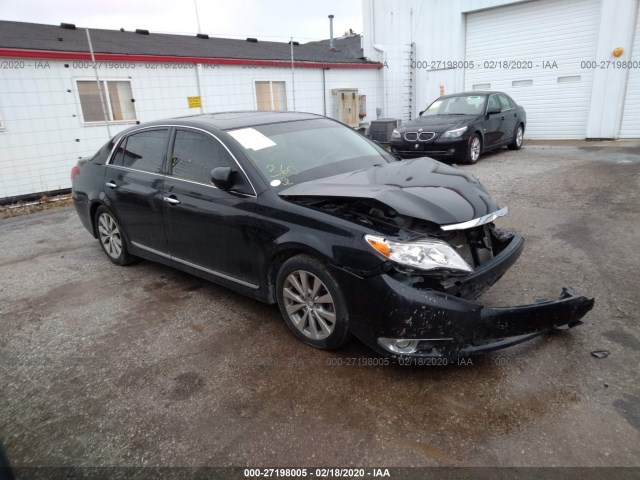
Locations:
{"points": [[111, 184], [171, 200]]}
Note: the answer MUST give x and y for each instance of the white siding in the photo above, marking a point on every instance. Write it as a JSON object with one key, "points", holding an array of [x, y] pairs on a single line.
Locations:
{"points": [[43, 134], [630, 127], [543, 31]]}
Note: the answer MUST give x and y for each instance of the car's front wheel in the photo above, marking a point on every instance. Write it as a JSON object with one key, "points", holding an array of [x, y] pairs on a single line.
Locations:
{"points": [[111, 237], [474, 147], [311, 303], [518, 138]]}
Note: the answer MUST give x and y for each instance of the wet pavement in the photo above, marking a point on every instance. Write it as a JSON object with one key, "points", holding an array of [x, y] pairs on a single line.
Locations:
{"points": [[143, 365]]}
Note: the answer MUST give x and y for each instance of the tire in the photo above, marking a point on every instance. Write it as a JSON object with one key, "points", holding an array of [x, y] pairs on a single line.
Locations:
{"points": [[474, 148], [111, 237], [518, 138], [311, 303]]}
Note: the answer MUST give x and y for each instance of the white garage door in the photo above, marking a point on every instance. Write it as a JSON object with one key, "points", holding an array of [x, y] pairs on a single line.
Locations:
{"points": [[630, 127], [536, 34]]}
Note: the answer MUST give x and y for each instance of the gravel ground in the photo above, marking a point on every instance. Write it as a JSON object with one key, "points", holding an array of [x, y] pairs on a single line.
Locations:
{"points": [[146, 366]]}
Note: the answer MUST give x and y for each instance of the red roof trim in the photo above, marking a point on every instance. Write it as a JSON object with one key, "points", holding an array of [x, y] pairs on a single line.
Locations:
{"points": [[118, 57]]}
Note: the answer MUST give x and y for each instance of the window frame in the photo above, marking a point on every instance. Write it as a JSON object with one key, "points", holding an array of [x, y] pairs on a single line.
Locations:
{"points": [[125, 137], [271, 82], [172, 146], [489, 102], [510, 103], [104, 83]]}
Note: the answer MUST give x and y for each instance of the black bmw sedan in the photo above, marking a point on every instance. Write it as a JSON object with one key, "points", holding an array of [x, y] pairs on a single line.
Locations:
{"points": [[300, 210], [462, 126]]}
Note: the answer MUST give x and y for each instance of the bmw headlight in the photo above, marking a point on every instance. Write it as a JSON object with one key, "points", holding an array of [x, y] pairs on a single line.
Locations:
{"points": [[427, 254], [457, 133], [395, 134]]}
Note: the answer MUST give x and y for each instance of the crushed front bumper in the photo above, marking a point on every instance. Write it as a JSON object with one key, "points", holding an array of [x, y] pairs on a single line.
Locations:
{"points": [[383, 310]]}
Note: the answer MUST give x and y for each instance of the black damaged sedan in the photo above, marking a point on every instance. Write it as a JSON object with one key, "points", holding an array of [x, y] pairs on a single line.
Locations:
{"points": [[461, 127], [300, 210]]}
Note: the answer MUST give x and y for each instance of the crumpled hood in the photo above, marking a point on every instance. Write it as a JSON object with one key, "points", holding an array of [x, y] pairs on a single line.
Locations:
{"points": [[438, 123], [421, 188]]}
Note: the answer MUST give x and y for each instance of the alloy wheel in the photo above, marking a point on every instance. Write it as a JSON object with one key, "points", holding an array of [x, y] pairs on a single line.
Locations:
{"points": [[309, 305], [110, 236], [475, 149], [519, 137]]}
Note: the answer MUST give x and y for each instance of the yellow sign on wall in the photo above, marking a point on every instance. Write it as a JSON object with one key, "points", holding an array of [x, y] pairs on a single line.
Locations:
{"points": [[194, 102]]}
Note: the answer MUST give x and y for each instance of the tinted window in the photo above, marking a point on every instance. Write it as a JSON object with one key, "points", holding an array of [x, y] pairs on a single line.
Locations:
{"points": [[143, 151], [494, 102], [196, 154], [101, 155], [505, 102]]}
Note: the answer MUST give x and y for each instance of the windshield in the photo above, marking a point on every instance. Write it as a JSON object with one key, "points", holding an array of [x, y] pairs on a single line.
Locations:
{"points": [[294, 152], [463, 105]]}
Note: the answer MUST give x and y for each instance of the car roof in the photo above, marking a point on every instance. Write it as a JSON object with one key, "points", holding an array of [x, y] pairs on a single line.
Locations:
{"points": [[472, 93], [236, 119]]}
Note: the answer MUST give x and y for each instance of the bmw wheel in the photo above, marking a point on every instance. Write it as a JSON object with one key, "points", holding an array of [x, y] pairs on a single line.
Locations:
{"points": [[474, 147], [517, 139], [311, 303]]}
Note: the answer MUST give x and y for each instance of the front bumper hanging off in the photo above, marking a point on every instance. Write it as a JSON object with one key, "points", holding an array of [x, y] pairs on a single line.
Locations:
{"points": [[395, 318]]}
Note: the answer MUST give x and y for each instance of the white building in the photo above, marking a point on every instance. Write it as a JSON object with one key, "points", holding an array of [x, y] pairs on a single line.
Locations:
{"points": [[52, 111], [573, 64]]}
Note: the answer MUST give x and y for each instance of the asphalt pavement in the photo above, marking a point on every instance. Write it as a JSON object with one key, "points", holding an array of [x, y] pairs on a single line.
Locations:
{"points": [[146, 366]]}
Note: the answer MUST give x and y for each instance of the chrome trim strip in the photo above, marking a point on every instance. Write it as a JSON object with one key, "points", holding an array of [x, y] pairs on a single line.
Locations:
{"points": [[418, 134], [477, 221], [411, 133], [197, 267], [120, 167], [433, 134]]}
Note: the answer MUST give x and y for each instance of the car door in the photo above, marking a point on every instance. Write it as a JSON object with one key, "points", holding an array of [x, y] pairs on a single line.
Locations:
{"points": [[133, 184], [510, 115], [209, 228], [493, 124]]}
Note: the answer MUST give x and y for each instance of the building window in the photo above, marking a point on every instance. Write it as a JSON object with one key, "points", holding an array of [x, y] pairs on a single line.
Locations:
{"points": [[271, 96], [117, 96]]}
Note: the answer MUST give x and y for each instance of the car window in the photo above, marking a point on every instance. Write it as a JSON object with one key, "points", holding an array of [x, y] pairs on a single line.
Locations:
{"points": [[290, 152], [505, 102], [143, 151], [494, 103], [196, 154], [463, 105], [101, 155]]}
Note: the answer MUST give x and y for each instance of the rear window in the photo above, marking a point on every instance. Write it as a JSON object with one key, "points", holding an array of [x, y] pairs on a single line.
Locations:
{"points": [[143, 151], [102, 155]]}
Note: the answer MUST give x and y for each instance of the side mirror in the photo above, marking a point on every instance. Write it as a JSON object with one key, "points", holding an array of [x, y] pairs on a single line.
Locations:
{"points": [[494, 110], [223, 177]]}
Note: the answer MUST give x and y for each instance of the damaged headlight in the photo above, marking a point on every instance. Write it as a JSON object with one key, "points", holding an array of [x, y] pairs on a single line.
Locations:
{"points": [[424, 254]]}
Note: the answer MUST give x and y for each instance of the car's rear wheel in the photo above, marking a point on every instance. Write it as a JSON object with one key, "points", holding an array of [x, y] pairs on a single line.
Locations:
{"points": [[311, 303], [474, 147], [111, 237], [518, 138]]}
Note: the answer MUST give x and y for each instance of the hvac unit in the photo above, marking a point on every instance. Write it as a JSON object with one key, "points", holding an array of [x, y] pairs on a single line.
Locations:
{"points": [[381, 129]]}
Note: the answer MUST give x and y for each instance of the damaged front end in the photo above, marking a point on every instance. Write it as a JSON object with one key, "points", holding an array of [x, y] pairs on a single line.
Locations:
{"points": [[432, 227], [412, 306]]}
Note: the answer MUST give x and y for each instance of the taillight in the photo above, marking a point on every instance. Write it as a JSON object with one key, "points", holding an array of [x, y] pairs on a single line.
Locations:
{"points": [[74, 172]]}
